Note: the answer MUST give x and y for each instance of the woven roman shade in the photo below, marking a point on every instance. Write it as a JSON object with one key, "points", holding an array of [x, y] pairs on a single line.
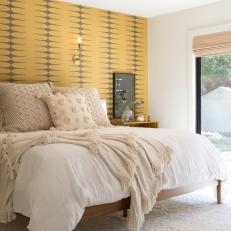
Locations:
{"points": [[212, 44]]}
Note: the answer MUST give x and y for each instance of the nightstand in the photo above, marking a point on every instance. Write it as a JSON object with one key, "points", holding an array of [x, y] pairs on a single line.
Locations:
{"points": [[146, 124]]}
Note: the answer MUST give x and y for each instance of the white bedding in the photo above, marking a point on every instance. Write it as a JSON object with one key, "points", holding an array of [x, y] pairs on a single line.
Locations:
{"points": [[52, 177]]}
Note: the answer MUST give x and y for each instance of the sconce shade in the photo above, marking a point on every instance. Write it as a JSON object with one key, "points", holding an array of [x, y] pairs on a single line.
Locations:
{"points": [[79, 40]]}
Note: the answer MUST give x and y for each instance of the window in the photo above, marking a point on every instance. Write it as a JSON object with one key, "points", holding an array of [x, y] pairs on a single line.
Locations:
{"points": [[214, 99]]}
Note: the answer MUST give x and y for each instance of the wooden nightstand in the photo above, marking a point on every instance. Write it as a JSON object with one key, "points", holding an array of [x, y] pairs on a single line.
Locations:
{"points": [[150, 124]]}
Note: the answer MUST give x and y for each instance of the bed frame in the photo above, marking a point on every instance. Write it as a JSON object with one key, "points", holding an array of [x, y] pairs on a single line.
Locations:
{"points": [[124, 204]]}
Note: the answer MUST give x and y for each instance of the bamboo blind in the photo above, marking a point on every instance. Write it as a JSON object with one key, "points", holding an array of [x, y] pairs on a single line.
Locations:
{"points": [[212, 44]]}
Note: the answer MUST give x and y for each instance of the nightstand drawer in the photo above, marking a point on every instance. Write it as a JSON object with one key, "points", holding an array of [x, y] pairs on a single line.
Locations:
{"points": [[148, 124]]}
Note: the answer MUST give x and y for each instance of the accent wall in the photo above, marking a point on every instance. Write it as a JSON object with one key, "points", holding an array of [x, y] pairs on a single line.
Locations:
{"points": [[39, 37]]}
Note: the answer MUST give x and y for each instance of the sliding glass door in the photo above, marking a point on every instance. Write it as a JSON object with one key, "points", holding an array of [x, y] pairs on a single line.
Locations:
{"points": [[213, 94]]}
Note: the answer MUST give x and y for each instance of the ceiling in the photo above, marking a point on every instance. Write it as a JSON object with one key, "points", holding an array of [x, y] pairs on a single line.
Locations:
{"points": [[145, 8]]}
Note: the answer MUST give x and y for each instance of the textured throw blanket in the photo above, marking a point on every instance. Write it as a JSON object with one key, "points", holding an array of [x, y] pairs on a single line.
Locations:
{"points": [[137, 162]]}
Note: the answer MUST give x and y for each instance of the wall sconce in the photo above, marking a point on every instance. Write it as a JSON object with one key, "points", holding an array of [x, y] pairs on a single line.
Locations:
{"points": [[76, 56]]}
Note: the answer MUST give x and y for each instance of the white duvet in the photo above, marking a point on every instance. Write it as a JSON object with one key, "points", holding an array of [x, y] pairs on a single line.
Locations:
{"points": [[52, 178]]}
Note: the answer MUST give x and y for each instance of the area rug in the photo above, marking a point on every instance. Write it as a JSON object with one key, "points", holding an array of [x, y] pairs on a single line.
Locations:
{"points": [[193, 212], [196, 211]]}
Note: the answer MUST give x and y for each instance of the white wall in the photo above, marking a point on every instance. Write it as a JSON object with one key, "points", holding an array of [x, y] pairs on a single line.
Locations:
{"points": [[168, 61]]}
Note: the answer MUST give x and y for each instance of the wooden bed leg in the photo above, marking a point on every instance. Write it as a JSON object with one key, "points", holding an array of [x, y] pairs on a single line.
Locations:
{"points": [[125, 212], [219, 192]]}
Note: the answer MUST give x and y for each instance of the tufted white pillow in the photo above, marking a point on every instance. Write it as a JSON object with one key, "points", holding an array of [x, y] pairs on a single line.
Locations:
{"points": [[22, 110], [69, 111], [93, 101]]}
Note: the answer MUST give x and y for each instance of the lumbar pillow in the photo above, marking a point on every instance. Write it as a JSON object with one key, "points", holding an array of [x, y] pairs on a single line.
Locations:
{"points": [[93, 101], [22, 109], [69, 111]]}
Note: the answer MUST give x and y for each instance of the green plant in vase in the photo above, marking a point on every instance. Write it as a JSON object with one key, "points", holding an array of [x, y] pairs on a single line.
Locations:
{"points": [[128, 107]]}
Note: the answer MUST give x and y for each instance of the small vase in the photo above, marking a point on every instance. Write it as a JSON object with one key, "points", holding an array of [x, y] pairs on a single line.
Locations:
{"points": [[127, 115], [140, 118]]}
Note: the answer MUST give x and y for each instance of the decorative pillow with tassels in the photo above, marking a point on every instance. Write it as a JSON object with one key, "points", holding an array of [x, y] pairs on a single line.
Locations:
{"points": [[69, 111], [93, 101]]}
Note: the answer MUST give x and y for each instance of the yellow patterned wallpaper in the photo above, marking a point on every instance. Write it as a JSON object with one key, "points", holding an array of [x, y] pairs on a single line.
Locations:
{"points": [[38, 39]]}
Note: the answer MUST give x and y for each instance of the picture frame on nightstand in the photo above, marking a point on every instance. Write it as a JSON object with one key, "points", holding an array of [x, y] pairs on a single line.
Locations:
{"points": [[122, 82]]}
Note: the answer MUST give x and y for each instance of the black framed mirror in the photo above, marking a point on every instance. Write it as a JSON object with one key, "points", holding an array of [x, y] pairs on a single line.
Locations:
{"points": [[123, 88]]}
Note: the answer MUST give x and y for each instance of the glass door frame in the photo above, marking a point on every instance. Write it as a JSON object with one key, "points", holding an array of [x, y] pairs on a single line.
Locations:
{"points": [[198, 95]]}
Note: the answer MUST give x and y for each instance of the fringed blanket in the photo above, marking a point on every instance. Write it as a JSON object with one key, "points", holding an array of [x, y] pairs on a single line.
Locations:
{"points": [[137, 162]]}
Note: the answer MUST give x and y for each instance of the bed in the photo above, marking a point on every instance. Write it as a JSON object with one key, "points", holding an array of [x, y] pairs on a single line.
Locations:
{"points": [[85, 167], [47, 170]]}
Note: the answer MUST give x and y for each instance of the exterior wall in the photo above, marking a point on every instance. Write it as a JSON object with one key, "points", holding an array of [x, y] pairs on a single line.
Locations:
{"points": [[216, 111]]}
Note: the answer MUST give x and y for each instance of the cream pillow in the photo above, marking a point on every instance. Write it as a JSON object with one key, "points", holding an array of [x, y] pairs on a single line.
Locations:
{"points": [[22, 110], [69, 111], [93, 101]]}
